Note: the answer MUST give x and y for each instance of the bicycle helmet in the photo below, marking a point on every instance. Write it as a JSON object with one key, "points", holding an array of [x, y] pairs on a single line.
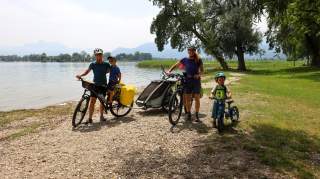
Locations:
{"points": [[193, 48], [220, 74], [98, 51]]}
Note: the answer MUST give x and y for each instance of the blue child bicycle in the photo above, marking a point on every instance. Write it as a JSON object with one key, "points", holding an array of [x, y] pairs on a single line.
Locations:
{"points": [[220, 112]]}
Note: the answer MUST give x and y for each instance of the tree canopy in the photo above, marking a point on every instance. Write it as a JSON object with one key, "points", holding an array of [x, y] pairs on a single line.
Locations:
{"points": [[221, 28]]}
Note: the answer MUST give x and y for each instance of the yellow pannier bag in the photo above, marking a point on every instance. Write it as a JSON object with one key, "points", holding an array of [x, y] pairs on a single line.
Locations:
{"points": [[127, 94]]}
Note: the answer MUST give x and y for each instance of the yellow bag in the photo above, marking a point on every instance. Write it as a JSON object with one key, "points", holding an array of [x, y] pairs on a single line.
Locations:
{"points": [[127, 94]]}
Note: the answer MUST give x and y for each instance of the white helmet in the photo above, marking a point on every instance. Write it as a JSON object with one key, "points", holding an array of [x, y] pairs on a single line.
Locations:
{"points": [[98, 51]]}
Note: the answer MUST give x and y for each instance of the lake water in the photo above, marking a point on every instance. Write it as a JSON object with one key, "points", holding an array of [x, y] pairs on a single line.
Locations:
{"points": [[26, 85]]}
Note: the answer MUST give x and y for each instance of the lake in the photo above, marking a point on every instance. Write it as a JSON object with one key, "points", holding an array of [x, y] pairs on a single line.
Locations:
{"points": [[27, 85]]}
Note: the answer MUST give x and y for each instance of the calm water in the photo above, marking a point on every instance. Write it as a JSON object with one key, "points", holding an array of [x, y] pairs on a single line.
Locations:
{"points": [[32, 85]]}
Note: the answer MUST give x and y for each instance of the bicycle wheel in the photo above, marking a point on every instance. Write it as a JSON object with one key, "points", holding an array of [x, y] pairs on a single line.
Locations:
{"points": [[234, 114], [175, 108], [119, 110], [80, 111]]}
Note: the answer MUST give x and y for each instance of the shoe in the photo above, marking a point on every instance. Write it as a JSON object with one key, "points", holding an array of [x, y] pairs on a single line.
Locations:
{"points": [[89, 121], [197, 117], [102, 119]]}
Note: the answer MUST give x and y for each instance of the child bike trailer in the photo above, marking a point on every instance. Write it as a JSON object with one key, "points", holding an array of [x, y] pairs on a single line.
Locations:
{"points": [[157, 94]]}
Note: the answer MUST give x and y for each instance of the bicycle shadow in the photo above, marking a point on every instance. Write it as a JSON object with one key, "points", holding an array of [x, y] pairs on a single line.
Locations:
{"points": [[152, 112], [96, 126]]}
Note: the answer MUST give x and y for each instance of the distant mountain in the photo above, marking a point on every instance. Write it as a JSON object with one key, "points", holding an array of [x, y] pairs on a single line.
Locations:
{"points": [[168, 52], [50, 48]]}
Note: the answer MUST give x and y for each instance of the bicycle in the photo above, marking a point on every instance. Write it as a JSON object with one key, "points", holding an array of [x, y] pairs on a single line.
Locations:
{"points": [[231, 112], [176, 102], [116, 108]]}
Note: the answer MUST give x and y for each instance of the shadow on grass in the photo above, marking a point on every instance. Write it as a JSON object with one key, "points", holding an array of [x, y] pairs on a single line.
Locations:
{"points": [[96, 126], [284, 150]]}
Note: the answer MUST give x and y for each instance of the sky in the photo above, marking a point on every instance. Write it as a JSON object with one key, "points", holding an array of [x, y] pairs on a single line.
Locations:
{"points": [[79, 24]]}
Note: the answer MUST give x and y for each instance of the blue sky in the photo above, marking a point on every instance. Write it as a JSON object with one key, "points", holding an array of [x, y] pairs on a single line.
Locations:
{"points": [[79, 24]]}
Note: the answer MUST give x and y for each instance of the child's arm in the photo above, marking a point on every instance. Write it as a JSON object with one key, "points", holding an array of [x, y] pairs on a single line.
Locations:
{"points": [[119, 77], [229, 94], [213, 91]]}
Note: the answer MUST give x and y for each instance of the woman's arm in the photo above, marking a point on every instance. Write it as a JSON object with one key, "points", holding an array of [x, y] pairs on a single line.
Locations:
{"points": [[174, 66]]}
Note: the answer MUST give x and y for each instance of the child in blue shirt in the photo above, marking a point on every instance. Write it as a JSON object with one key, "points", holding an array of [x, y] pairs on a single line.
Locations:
{"points": [[114, 77]]}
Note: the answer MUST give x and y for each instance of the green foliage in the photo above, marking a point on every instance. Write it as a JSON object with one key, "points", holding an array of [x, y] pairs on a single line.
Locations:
{"points": [[75, 57], [294, 27], [137, 56], [221, 28]]}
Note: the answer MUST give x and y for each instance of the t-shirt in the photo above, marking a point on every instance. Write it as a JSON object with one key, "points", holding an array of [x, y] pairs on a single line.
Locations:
{"points": [[100, 71], [220, 92], [114, 73], [191, 66]]}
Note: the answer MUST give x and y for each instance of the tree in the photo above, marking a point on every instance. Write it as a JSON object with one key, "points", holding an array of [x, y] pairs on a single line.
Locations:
{"points": [[184, 24], [294, 27], [233, 22]]}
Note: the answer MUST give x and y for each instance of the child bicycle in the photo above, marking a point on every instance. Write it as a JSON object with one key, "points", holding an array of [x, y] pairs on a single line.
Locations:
{"points": [[231, 112], [116, 108]]}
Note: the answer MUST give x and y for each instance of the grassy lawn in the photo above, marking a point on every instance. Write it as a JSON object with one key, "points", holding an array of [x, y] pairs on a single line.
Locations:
{"points": [[280, 111]]}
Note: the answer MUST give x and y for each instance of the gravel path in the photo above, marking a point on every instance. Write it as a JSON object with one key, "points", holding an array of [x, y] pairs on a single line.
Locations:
{"points": [[141, 145]]}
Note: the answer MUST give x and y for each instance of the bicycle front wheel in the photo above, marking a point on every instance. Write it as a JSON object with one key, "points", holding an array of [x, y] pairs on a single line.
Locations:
{"points": [[175, 108], [119, 110], [80, 111]]}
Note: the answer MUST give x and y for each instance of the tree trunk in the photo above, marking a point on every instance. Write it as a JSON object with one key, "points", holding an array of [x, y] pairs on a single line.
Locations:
{"points": [[241, 62], [222, 62], [314, 50]]}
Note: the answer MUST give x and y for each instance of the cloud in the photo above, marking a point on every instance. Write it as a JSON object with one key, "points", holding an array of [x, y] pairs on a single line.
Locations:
{"points": [[73, 24]]}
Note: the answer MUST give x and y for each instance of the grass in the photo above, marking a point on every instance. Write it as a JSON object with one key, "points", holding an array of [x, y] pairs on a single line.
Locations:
{"points": [[281, 118], [46, 113], [280, 122]]}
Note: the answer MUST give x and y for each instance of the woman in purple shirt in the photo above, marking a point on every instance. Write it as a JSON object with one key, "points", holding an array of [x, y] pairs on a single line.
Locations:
{"points": [[193, 70]]}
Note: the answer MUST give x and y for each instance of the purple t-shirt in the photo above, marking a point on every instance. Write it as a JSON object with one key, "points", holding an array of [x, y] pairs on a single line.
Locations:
{"points": [[191, 67]]}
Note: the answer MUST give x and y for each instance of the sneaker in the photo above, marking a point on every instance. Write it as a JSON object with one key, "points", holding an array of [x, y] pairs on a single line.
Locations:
{"points": [[89, 121], [102, 119], [197, 117]]}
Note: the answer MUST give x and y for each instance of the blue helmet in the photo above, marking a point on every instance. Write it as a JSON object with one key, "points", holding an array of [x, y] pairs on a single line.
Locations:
{"points": [[220, 74]]}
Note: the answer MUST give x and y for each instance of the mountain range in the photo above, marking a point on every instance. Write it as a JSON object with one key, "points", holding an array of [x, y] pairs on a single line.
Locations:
{"points": [[52, 48]]}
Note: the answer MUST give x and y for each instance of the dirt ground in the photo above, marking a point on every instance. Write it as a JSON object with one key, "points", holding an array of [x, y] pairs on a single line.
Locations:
{"points": [[141, 145]]}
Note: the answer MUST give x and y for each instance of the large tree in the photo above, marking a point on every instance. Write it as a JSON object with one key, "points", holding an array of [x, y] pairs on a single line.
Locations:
{"points": [[182, 22], [235, 28], [220, 27], [294, 27]]}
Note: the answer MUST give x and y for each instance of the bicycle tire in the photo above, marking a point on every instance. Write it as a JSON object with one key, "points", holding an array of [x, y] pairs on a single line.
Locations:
{"points": [[173, 106], [119, 105], [78, 110], [235, 114]]}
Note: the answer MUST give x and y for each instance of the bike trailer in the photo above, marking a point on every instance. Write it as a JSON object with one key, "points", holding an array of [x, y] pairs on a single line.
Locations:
{"points": [[154, 94]]}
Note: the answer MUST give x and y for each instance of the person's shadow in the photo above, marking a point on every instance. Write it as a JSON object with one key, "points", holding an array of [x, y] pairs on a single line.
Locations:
{"points": [[96, 126]]}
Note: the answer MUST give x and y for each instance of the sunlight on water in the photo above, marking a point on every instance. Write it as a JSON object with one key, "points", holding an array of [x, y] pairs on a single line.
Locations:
{"points": [[32, 85]]}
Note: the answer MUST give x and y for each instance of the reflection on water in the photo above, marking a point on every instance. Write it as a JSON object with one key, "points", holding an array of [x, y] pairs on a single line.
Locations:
{"points": [[31, 85]]}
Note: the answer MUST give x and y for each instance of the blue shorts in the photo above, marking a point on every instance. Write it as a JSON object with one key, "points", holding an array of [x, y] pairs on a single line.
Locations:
{"points": [[216, 107], [192, 86]]}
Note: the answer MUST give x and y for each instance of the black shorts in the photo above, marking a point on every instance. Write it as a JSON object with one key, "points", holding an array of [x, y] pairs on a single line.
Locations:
{"points": [[99, 90], [111, 85], [192, 86]]}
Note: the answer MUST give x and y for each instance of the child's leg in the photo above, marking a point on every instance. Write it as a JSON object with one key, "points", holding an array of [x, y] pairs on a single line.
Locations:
{"points": [[214, 109], [111, 94]]}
